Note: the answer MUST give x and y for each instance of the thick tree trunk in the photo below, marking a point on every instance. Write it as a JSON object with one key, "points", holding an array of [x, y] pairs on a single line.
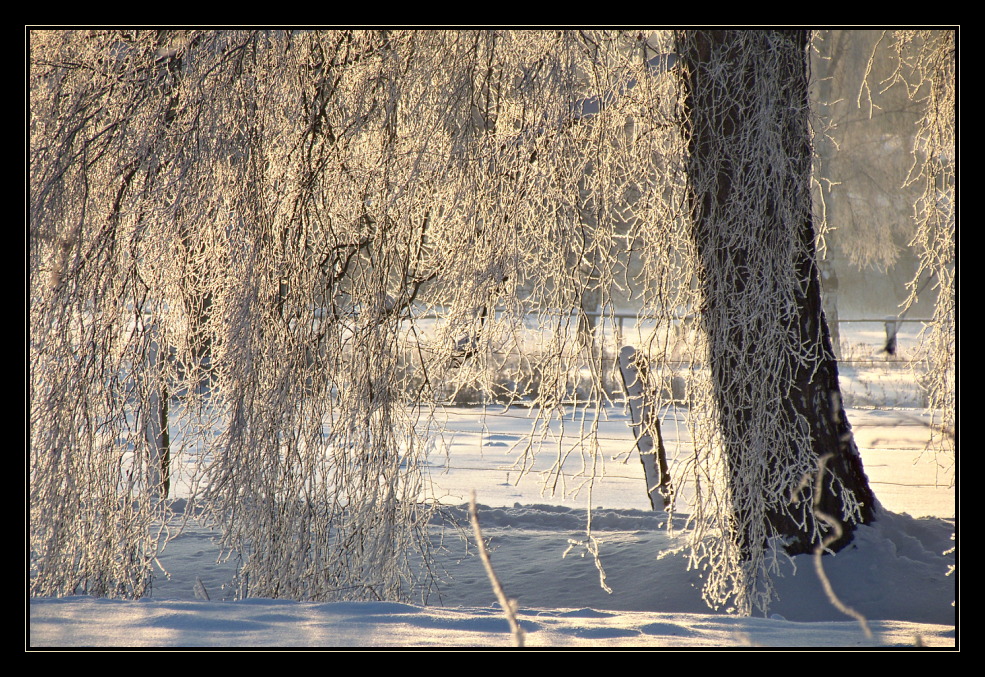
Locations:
{"points": [[773, 368]]}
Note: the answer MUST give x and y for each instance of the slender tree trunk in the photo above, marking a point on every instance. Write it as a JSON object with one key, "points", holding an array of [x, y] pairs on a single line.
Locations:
{"points": [[646, 426], [774, 373]]}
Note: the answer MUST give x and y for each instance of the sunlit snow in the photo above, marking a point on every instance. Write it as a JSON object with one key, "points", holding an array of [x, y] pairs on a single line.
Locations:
{"points": [[895, 574]]}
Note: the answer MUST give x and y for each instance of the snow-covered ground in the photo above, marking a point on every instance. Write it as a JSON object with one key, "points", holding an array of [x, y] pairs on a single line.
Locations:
{"points": [[895, 574]]}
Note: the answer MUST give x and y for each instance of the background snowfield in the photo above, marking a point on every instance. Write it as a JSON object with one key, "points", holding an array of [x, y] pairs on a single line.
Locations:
{"points": [[895, 573]]}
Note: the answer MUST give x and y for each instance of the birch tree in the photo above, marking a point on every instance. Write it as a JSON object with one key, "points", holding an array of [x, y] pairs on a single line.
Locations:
{"points": [[773, 371], [279, 252]]}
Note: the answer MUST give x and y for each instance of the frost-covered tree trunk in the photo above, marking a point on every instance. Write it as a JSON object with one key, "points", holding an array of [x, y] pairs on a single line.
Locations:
{"points": [[774, 376]]}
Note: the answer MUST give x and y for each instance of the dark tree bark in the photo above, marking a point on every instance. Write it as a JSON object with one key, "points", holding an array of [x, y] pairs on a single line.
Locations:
{"points": [[775, 376]]}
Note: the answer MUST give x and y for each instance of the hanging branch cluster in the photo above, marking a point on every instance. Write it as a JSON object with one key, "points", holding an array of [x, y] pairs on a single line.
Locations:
{"points": [[239, 241], [927, 68]]}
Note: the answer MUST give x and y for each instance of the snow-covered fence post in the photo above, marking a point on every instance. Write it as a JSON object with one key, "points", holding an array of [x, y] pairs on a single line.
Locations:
{"points": [[645, 425], [892, 328]]}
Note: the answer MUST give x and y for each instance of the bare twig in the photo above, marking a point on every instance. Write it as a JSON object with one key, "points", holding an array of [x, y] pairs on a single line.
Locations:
{"points": [[835, 534], [509, 605]]}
